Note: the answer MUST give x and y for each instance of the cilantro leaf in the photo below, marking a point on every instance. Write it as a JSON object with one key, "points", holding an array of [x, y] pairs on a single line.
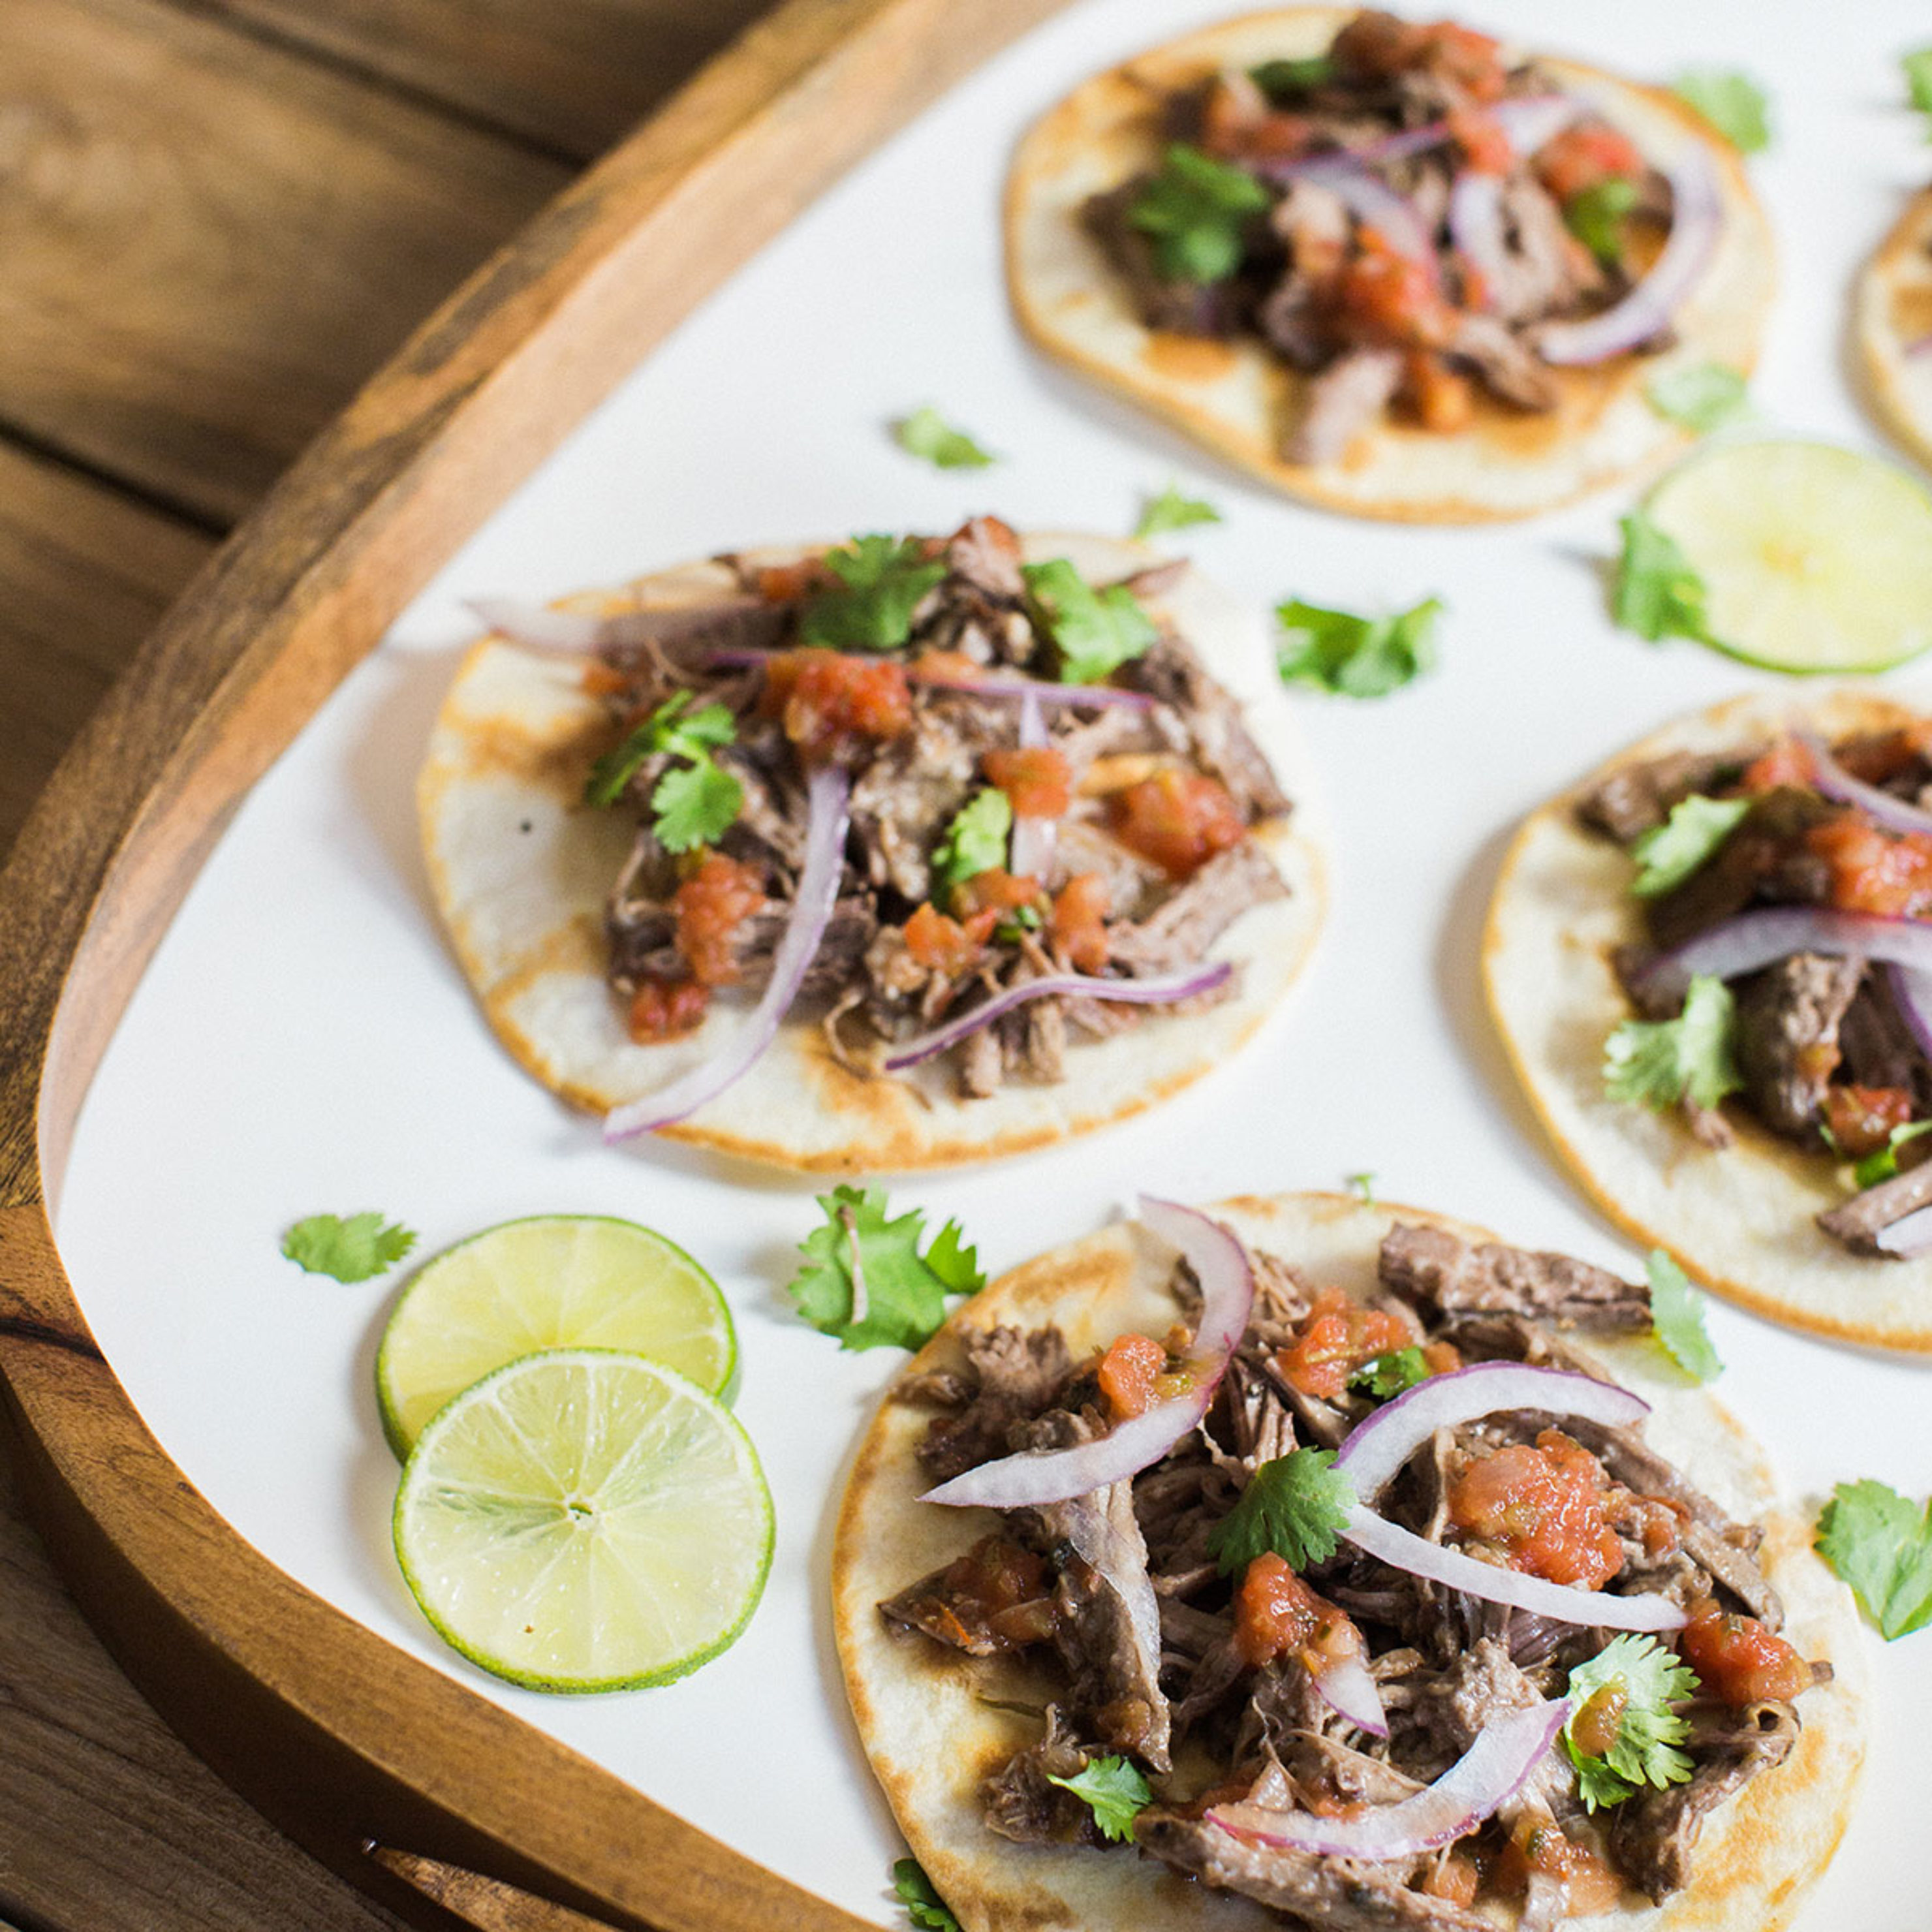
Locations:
{"points": [[863, 1280], [926, 433], [1095, 631], [1732, 102], [976, 840], [1658, 1062], [692, 804], [1882, 1163], [1644, 1679], [1354, 657], [924, 1905], [1667, 854], [696, 805], [1881, 1545], [1389, 1373], [1918, 68], [1657, 594], [1294, 1505], [351, 1250], [1595, 214], [1677, 1318], [881, 580], [1172, 511], [1700, 395], [1197, 210], [1113, 1790], [1285, 80]]}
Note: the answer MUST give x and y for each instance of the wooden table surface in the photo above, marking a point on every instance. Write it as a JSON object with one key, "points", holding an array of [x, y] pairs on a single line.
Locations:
{"points": [[217, 218]]}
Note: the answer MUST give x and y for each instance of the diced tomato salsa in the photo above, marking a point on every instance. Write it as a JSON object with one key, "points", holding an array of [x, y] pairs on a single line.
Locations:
{"points": [[1585, 156], [943, 943], [1889, 874], [1861, 1118], [1542, 1507], [1786, 762], [1737, 1660], [1037, 779], [1486, 148], [1078, 923], [995, 891], [711, 904], [1179, 820], [1382, 296], [1277, 1615], [663, 1010], [1335, 1338], [825, 697], [1129, 1373], [996, 1597]]}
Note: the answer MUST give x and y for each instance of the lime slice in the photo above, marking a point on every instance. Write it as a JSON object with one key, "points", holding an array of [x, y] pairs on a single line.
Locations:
{"points": [[1814, 559], [585, 1520], [554, 1281]]}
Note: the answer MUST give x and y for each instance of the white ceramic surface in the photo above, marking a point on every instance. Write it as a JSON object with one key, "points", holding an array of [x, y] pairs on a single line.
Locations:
{"points": [[304, 1041]]}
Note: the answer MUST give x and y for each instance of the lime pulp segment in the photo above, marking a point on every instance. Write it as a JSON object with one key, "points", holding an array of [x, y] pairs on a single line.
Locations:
{"points": [[585, 1520], [552, 1281]]}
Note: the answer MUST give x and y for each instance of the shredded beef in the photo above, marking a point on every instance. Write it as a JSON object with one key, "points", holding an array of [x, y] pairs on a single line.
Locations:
{"points": [[1178, 934], [1012, 1375], [1448, 1276], [1342, 402], [1021, 1803], [1858, 1223], [1637, 798], [1787, 1037]]}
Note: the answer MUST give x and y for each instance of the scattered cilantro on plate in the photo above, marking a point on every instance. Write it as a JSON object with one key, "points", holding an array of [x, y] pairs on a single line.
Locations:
{"points": [[1197, 210], [1881, 1545], [926, 433], [1667, 854], [1172, 511], [1677, 1318], [976, 840], [863, 1280], [924, 1905], [351, 1250], [1658, 1062], [1354, 657], [1648, 1679], [1657, 594], [1701, 396], [1294, 1505], [1732, 102], [1113, 1790], [881, 580], [1095, 631]]}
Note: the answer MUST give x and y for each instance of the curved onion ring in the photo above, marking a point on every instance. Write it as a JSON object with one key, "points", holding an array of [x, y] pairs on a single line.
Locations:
{"points": [[1532, 120], [818, 892], [1486, 1776], [1377, 1448], [1347, 1688], [1476, 223], [1221, 1266], [1162, 991], [1755, 939], [1564, 1602], [1696, 220], [1832, 779], [1031, 853], [1375, 204]]}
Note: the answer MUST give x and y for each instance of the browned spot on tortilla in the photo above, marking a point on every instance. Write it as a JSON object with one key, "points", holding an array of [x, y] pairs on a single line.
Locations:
{"points": [[1188, 358], [1912, 310], [578, 947], [500, 747]]}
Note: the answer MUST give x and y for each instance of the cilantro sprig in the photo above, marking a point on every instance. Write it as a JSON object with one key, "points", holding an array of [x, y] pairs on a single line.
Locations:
{"points": [[351, 1250], [1667, 854], [977, 839], [924, 1907], [881, 580], [1658, 593], [1197, 210], [1390, 1372], [1113, 1790], [1351, 656], [1285, 80], [1701, 396], [1095, 631], [1732, 102], [1172, 511], [1595, 215], [1643, 1680], [1677, 1318], [1658, 1062], [926, 433], [862, 1279], [1881, 1544], [1296, 1505], [693, 803]]}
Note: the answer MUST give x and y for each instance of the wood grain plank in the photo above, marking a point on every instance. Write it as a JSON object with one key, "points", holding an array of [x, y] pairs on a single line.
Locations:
{"points": [[88, 573], [210, 242], [572, 74]]}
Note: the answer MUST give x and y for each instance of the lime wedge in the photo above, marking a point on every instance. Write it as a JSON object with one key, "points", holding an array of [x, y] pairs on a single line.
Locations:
{"points": [[554, 1281], [585, 1520], [1813, 558]]}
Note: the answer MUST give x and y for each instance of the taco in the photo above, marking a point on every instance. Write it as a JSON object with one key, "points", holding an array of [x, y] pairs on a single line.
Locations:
{"points": [[890, 855], [1273, 1734], [1709, 964], [1892, 321], [1392, 268]]}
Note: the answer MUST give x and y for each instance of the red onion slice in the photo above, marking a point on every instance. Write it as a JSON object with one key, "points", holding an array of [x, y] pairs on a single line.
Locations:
{"points": [[1100, 696], [1696, 220], [1377, 206], [1377, 1448], [1835, 781], [1222, 1267], [1755, 939], [1033, 839], [1487, 1775], [1398, 146], [1476, 223], [811, 906], [1347, 1688], [1162, 991], [1910, 1235], [1532, 120], [1404, 1550]]}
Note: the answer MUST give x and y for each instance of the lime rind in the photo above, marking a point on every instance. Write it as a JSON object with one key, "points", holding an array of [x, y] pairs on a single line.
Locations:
{"points": [[1816, 560], [646, 1514], [547, 1281]]}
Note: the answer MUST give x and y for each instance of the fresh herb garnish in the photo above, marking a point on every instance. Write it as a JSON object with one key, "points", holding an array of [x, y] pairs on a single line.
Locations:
{"points": [[351, 1250], [1595, 215], [1657, 594], [1354, 657], [1918, 68], [1022, 919], [1095, 631], [1667, 854], [1658, 1062], [1197, 209], [976, 840], [924, 1905], [1733, 104], [1389, 1373], [1881, 1544], [864, 1280], [1364, 1185], [1296, 1506], [1172, 511], [1113, 1790], [1882, 1163], [1282, 80], [881, 580], [695, 803], [1640, 1680], [927, 434], [1701, 396], [1677, 1318]]}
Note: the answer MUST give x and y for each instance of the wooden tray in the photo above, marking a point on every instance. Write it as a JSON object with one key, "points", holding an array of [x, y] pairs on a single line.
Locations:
{"points": [[448, 1809]]}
